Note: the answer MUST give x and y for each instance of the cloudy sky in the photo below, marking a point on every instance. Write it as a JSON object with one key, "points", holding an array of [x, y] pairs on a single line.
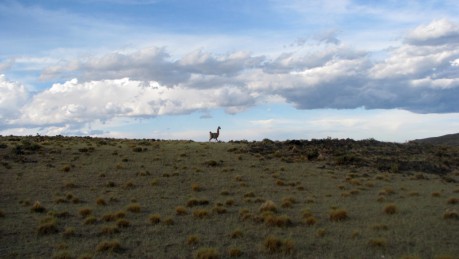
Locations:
{"points": [[176, 69]]}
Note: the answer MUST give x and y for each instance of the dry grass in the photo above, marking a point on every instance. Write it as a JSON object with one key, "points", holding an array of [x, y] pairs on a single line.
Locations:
{"points": [[227, 196], [390, 209], [338, 215], [109, 245], [207, 253], [154, 219]]}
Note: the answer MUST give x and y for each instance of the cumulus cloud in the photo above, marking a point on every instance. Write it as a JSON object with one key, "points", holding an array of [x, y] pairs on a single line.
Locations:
{"points": [[12, 96], [435, 33], [80, 103], [419, 75]]}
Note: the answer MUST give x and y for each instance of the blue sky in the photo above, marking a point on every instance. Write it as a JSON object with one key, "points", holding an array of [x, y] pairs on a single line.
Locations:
{"points": [[274, 69]]}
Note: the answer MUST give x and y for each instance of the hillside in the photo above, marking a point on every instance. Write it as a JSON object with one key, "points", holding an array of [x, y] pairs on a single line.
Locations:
{"points": [[81, 197], [446, 140]]}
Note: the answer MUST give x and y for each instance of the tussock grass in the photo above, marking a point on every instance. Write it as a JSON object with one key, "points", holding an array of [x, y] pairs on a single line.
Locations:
{"points": [[268, 206], [109, 245], [192, 240], [180, 211], [451, 214], [169, 221], [101, 202], [84, 212], [90, 220], [48, 227], [109, 230], [201, 213], [207, 253], [37, 207], [237, 233], [154, 219], [234, 252], [390, 209], [134, 207], [452, 200], [338, 215], [274, 245], [377, 242], [69, 232]]}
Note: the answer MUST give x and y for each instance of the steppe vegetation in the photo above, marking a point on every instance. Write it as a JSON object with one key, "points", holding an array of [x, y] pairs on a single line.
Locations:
{"points": [[81, 197]]}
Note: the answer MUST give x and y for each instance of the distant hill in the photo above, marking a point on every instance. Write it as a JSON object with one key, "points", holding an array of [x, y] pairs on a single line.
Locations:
{"points": [[448, 140]]}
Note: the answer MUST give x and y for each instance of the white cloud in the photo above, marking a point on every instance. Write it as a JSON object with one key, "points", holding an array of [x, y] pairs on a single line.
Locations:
{"points": [[80, 103], [435, 33], [12, 96]]}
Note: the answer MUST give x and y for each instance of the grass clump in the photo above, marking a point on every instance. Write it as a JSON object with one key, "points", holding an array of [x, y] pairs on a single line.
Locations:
{"points": [[109, 230], [49, 226], [207, 253], [377, 242], [109, 245], [101, 202], [338, 215], [236, 234], [123, 223], [451, 214], [90, 220], [274, 245], [201, 213], [84, 212], [134, 207], [234, 252], [180, 211], [453, 200], [192, 240], [37, 207], [154, 219], [268, 206], [390, 209], [69, 232]]}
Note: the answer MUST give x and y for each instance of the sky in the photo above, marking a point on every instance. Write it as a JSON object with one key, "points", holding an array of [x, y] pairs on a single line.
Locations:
{"points": [[276, 69]]}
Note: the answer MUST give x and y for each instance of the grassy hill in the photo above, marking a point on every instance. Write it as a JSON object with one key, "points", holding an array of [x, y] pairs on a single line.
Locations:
{"points": [[73, 197], [447, 140]]}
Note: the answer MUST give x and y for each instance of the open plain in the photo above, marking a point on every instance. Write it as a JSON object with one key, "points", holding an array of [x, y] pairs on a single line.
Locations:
{"points": [[81, 197]]}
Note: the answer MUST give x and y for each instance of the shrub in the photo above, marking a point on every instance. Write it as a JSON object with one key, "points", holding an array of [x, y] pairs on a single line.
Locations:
{"points": [[390, 209], [48, 227], [338, 215]]}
